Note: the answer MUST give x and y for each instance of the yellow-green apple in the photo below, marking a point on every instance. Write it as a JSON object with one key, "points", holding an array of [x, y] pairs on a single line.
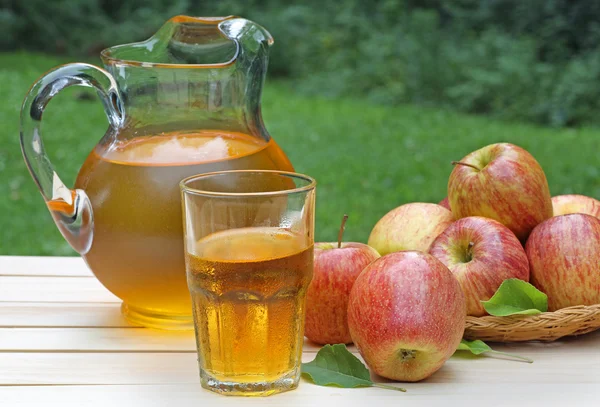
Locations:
{"points": [[566, 204], [481, 253], [564, 259], [406, 315], [445, 203], [412, 226], [502, 182], [336, 267]]}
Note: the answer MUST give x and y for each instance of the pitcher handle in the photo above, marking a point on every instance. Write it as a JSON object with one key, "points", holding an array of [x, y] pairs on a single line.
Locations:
{"points": [[71, 209]]}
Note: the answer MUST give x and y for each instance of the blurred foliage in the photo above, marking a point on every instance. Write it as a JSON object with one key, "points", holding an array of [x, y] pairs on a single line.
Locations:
{"points": [[368, 159], [535, 60]]}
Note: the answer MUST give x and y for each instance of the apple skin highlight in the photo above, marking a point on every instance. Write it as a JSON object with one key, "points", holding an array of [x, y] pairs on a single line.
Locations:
{"points": [[406, 315]]}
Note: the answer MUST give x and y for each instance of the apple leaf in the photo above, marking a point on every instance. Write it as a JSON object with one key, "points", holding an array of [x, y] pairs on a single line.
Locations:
{"points": [[334, 365], [514, 297], [477, 347]]}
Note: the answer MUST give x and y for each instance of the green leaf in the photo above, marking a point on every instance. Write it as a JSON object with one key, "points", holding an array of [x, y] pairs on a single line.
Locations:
{"points": [[477, 347], [514, 297], [334, 365]]}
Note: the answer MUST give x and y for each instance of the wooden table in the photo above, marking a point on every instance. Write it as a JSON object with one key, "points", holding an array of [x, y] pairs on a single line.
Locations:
{"points": [[63, 342]]}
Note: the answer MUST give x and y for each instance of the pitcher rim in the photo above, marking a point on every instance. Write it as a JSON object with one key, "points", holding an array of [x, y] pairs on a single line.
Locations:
{"points": [[108, 59]]}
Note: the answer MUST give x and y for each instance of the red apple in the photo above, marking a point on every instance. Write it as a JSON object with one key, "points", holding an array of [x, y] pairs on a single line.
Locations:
{"points": [[445, 203], [566, 204], [564, 259], [406, 315], [411, 226], [502, 182], [481, 253], [336, 267]]}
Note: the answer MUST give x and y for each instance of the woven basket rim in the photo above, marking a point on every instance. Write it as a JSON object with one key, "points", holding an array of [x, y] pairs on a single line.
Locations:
{"points": [[535, 317], [545, 326]]}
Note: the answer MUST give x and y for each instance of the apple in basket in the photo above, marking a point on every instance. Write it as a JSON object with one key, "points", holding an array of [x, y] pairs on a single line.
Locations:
{"points": [[564, 257], [502, 182], [566, 204], [481, 253], [412, 226]]}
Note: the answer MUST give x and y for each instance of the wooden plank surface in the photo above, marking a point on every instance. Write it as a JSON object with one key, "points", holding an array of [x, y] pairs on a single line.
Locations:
{"points": [[63, 342], [53, 289], [43, 368], [570, 365], [43, 266], [131, 339], [66, 315], [190, 395], [95, 340], [97, 368]]}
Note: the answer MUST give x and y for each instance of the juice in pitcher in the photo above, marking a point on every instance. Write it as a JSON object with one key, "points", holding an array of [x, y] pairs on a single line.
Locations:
{"points": [[137, 249], [184, 102]]}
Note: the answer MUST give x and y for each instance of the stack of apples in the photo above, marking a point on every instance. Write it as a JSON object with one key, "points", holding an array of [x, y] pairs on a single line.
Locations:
{"points": [[403, 298]]}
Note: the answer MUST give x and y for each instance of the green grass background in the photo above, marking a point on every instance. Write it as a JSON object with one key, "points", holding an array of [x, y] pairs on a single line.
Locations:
{"points": [[367, 159]]}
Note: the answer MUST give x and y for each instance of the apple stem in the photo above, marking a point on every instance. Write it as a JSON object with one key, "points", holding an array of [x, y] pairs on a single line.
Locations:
{"points": [[511, 355], [469, 256], [466, 164], [341, 233], [386, 386]]}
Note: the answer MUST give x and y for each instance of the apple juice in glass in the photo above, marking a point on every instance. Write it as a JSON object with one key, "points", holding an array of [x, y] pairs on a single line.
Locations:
{"points": [[249, 261]]}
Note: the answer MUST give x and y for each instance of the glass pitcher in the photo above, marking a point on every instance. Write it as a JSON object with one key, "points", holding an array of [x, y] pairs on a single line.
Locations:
{"points": [[184, 102]]}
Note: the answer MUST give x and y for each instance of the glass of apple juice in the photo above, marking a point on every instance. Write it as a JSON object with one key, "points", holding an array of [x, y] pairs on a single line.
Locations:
{"points": [[248, 239]]}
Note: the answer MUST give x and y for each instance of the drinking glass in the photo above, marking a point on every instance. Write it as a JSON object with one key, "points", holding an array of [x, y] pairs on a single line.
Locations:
{"points": [[248, 239]]}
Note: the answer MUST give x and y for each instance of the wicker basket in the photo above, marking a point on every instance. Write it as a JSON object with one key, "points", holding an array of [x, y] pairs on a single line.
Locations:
{"points": [[547, 326]]}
